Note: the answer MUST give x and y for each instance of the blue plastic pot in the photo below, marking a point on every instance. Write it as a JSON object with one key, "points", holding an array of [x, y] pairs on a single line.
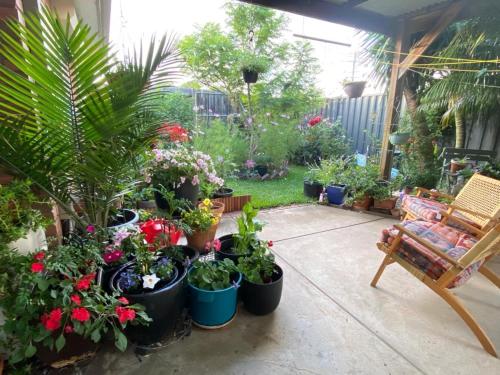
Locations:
{"points": [[336, 194], [213, 308]]}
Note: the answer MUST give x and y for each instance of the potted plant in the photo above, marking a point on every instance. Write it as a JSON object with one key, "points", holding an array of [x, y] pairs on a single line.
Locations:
{"points": [[213, 292], [122, 218], [223, 192], [458, 164], [382, 196], [181, 170], [332, 175], [362, 180], [262, 280], [55, 310], [202, 224], [354, 89], [21, 226], [236, 245], [251, 65], [158, 283], [312, 187], [73, 161], [399, 137]]}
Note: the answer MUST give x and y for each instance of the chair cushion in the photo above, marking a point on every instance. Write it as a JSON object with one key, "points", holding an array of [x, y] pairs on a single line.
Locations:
{"points": [[428, 209], [447, 239]]}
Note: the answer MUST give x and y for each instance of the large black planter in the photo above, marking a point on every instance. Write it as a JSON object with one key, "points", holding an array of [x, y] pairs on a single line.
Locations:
{"points": [[77, 348], [312, 189], [262, 299], [163, 306], [124, 218], [226, 249], [250, 76], [223, 192], [186, 191], [188, 252], [354, 89]]}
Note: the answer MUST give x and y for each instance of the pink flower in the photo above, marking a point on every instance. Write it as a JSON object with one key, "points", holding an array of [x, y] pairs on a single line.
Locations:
{"points": [[123, 300], [37, 267], [250, 164], [195, 180], [90, 229]]}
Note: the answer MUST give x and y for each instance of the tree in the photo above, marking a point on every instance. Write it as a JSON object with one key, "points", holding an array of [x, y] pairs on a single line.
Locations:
{"points": [[73, 120]]}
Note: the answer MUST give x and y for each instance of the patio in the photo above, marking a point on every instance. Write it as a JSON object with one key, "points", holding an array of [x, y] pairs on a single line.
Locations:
{"points": [[330, 320]]}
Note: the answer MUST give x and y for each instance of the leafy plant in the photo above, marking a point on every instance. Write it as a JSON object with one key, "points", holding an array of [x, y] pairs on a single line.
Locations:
{"points": [[212, 275], [17, 215], [246, 238], [49, 298], [73, 120], [362, 181], [200, 218], [175, 107], [252, 62], [332, 171], [259, 266]]}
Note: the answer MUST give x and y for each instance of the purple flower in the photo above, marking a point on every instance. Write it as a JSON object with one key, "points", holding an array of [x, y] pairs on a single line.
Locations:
{"points": [[250, 164], [235, 285]]}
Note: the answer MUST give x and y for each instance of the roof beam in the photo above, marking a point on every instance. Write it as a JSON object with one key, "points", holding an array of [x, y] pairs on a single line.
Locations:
{"points": [[352, 3], [421, 46], [326, 11]]}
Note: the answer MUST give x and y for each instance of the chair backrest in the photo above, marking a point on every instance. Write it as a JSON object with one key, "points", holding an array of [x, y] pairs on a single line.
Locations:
{"points": [[480, 194], [474, 155], [487, 246]]}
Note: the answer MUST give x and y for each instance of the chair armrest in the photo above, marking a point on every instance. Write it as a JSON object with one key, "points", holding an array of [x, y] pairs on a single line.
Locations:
{"points": [[458, 208], [421, 190], [463, 223], [428, 245]]}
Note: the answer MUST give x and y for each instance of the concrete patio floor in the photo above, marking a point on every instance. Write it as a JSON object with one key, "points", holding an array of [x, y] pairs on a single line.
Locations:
{"points": [[330, 321]]}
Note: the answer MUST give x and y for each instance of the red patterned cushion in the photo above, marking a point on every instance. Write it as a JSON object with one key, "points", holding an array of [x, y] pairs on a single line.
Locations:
{"points": [[447, 239], [428, 209]]}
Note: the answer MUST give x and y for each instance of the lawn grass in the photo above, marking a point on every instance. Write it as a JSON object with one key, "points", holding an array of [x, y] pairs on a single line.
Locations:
{"points": [[273, 193]]}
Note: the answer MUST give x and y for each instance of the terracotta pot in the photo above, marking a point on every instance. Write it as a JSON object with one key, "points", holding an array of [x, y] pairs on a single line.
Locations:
{"points": [[385, 204], [456, 166], [197, 240], [363, 204]]}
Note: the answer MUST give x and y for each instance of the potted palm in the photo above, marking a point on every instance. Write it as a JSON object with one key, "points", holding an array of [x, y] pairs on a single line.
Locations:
{"points": [[213, 292], [262, 280], [69, 156], [155, 281], [236, 245], [55, 310]]}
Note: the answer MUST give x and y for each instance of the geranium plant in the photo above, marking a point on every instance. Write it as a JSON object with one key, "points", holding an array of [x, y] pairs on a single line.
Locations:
{"points": [[53, 294], [209, 275], [176, 165]]}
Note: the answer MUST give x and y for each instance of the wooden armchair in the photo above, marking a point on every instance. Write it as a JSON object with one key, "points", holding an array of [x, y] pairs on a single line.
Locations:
{"points": [[475, 208], [442, 264]]}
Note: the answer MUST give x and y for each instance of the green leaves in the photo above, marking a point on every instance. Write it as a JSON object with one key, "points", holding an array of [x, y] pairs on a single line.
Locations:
{"points": [[60, 342], [30, 351], [120, 340], [212, 275]]}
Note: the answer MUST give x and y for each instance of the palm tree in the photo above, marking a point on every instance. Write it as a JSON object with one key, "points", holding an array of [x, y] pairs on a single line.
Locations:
{"points": [[472, 85], [72, 119]]}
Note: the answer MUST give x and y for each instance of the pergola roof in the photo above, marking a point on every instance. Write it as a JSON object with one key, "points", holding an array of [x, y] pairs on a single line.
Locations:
{"points": [[381, 16]]}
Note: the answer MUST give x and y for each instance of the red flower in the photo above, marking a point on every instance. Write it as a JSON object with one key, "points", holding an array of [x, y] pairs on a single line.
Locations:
{"points": [[68, 329], [76, 299], [314, 121], [270, 243], [40, 255], [37, 267], [123, 300], [175, 132], [84, 282], [81, 314], [124, 314], [52, 320]]}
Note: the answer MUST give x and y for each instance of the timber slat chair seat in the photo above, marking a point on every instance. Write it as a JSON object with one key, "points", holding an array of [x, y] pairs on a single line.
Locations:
{"points": [[442, 257], [474, 209]]}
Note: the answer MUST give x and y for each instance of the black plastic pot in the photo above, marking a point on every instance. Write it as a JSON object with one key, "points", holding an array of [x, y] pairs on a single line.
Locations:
{"points": [[106, 274], [250, 76], [224, 192], [312, 189], [186, 191], [354, 89], [262, 299], [163, 306], [261, 170], [226, 249]]}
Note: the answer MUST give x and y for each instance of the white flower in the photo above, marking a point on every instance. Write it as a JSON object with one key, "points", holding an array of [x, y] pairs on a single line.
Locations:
{"points": [[183, 179], [149, 281]]}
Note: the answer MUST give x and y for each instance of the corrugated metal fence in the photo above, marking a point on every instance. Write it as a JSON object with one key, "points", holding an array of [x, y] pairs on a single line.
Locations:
{"points": [[362, 118]]}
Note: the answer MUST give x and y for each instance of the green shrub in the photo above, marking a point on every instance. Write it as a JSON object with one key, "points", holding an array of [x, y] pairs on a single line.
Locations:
{"points": [[277, 141], [177, 108]]}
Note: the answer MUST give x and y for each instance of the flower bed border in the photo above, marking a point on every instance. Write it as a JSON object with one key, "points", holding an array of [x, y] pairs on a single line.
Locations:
{"points": [[234, 203]]}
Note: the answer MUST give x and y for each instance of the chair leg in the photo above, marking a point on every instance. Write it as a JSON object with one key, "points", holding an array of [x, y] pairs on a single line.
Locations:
{"points": [[490, 275], [387, 260], [467, 317]]}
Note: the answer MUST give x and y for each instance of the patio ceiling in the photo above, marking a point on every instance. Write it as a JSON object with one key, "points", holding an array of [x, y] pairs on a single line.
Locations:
{"points": [[380, 16]]}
